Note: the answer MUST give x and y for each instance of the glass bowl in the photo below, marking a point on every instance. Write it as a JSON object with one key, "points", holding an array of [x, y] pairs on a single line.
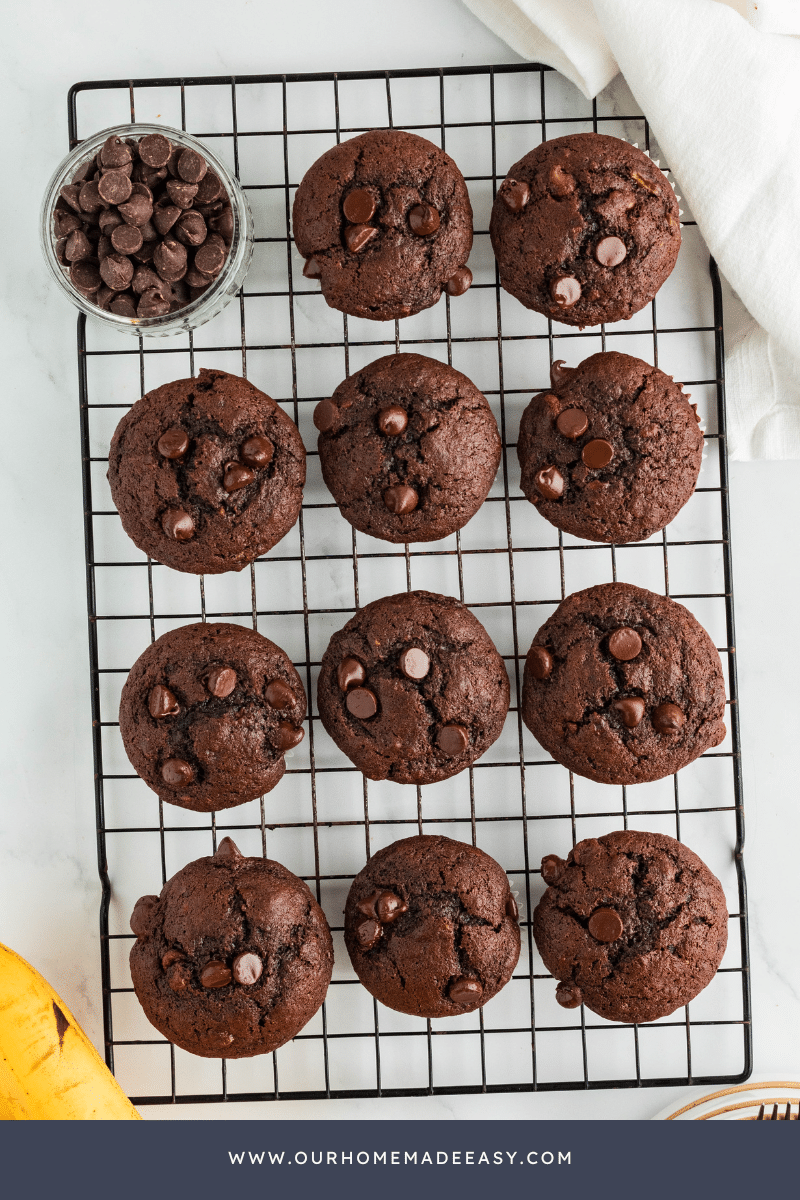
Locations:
{"points": [[197, 311]]}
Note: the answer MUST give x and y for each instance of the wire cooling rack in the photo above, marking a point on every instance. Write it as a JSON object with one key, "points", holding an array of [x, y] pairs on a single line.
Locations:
{"points": [[507, 564]]}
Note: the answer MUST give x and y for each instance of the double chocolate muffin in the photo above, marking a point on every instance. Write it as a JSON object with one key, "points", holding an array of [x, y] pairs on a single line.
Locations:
{"points": [[384, 223], [233, 958], [623, 686], [207, 714], [585, 229], [634, 925], [408, 447], [412, 689], [207, 473], [431, 927], [613, 452]]}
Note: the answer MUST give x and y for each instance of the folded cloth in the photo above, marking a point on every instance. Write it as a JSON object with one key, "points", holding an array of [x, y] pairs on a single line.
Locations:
{"points": [[723, 98]]}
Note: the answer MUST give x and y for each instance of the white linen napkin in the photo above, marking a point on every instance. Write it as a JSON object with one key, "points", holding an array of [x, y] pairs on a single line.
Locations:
{"points": [[722, 94]]}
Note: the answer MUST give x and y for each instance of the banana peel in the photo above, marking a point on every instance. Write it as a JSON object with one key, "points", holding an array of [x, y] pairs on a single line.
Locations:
{"points": [[49, 1070]]}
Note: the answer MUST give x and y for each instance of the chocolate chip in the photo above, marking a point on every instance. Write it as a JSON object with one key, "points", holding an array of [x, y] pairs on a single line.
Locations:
{"points": [[180, 193], [115, 152], [597, 454], [515, 194], [610, 251], [572, 422], [172, 956], [223, 224], [559, 182], [392, 420], [312, 269], [144, 278], [117, 271], [209, 188], [90, 198], [279, 695], [423, 219], [136, 211], [228, 851], [155, 302], [605, 925], [66, 223], [165, 216], [85, 275], [215, 974], [550, 483], [359, 206], [174, 443], [400, 499], [350, 673], [141, 915], [368, 933], [154, 150], [460, 282], [114, 187], [569, 995], [177, 523], [452, 740], [565, 291], [257, 451], [71, 192], [104, 248], [122, 306], [247, 969], [540, 661], [362, 703], [668, 718], [104, 297], [624, 644], [368, 904], [170, 260], [236, 476], [162, 703], [145, 252], [553, 869], [356, 237], [289, 736], [196, 280], [630, 709], [191, 229], [389, 907], [126, 239], [109, 220], [414, 663], [221, 681], [511, 908], [325, 415], [211, 255], [176, 773], [191, 166], [78, 247], [465, 991]]}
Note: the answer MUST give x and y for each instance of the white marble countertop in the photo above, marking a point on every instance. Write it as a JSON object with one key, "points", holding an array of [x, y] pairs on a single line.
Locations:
{"points": [[48, 882]]}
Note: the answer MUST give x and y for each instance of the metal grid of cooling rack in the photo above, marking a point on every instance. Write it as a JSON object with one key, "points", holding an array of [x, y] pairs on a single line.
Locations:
{"points": [[507, 564]]}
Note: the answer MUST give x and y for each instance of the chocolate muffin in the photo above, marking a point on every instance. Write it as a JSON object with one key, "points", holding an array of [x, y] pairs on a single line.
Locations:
{"points": [[384, 222], [412, 689], [207, 473], [585, 229], [409, 448], [207, 714], [633, 925], [623, 686], [613, 452], [233, 958], [431, 927]]}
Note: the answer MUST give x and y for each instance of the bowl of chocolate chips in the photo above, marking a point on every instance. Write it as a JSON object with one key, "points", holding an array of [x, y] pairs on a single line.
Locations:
{"points": [[146, 229]]}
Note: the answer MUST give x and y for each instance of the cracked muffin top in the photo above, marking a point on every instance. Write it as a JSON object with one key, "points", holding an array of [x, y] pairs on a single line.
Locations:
{"points": [[431, 927], [612, 452], [413, 689], [233, 958], [384, 223], [208, 712], [623, 686], [585, 229], [409, 448], [207, 473], [634, 925]]}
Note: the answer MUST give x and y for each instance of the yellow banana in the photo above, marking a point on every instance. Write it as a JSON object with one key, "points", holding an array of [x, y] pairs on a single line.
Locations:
{"points": [[49, 1070]]}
